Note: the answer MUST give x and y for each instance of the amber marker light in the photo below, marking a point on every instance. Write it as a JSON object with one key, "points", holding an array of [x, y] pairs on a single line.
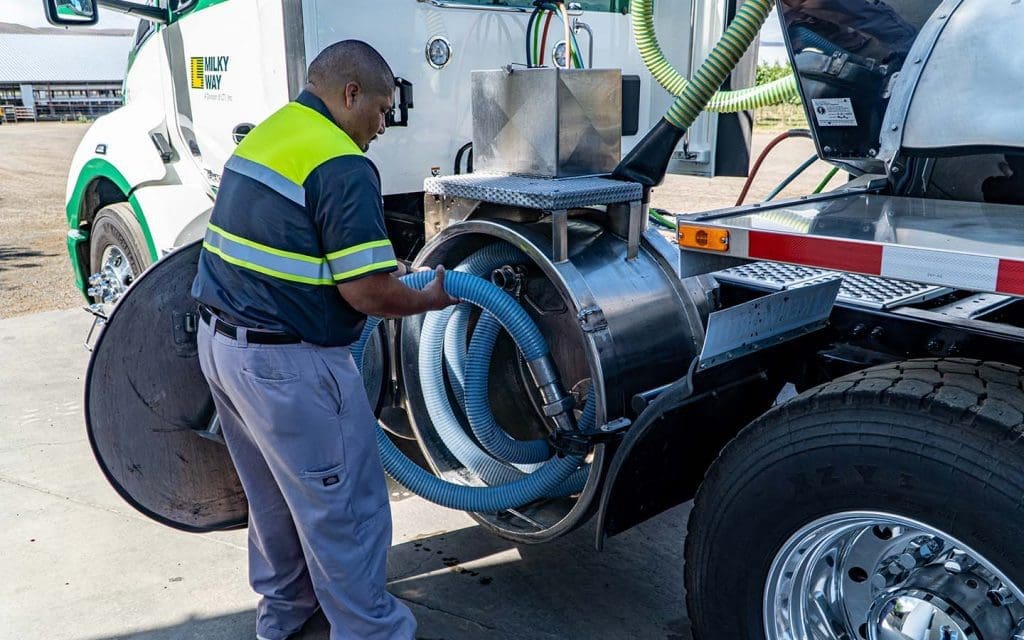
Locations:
{"points": [[704, 238]]}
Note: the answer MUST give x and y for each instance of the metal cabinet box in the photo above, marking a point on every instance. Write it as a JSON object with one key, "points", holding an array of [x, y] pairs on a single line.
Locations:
{"points": [[547, 122]]}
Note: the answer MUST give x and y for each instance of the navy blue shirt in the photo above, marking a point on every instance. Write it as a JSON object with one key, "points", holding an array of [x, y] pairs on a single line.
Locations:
{"points": [[299, 211]]}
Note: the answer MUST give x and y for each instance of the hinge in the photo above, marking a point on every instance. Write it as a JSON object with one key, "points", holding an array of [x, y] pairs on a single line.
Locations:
{"points": [[592, 319]]}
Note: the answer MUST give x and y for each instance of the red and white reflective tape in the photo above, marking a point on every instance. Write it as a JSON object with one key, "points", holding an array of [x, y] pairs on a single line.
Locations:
{"points": [[931, 266]]}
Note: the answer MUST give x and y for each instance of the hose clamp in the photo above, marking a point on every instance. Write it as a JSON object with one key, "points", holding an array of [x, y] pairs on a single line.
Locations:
{"points": [[571, 444]]}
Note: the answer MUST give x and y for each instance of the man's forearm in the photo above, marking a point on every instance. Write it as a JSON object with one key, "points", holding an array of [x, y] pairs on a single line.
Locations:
{"points": [[384, 296]]}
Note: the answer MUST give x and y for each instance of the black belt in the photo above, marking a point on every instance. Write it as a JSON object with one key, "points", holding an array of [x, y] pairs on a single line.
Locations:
{"points": [[255, 336]]}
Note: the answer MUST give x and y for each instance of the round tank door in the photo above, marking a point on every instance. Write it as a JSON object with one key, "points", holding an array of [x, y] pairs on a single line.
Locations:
{"points": [[149, 413], [147, 402]]}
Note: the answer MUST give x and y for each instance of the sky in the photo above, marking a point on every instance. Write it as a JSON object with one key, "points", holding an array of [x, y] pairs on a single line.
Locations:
{"points": [[30, 13]]}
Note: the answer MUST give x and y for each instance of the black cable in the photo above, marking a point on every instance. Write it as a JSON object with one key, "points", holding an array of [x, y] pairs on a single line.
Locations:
{"points": [[458, 158], [529, 30]]}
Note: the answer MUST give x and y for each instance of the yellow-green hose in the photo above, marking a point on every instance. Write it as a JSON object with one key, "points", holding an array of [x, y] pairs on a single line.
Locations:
{"points": [[742, 31], [648, 161], [723, 101]]}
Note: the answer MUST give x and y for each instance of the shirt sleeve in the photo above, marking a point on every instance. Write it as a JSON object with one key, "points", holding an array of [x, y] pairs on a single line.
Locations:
{"points": [[343, 196]]}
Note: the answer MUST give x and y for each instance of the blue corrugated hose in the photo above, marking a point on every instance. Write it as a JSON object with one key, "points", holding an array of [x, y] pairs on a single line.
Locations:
{"points": [[444, 334]]}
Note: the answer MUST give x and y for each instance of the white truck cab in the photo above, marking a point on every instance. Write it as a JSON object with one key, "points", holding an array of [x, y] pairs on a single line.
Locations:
{"points": [[202, 73]]}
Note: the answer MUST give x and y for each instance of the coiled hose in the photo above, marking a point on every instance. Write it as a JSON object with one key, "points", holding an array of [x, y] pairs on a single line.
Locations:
{"points": [[765, 95], [511, 485]]}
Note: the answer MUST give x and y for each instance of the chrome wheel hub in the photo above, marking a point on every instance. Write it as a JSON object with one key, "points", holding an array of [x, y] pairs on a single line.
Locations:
{"points": [[113, 278], [878, 576]]}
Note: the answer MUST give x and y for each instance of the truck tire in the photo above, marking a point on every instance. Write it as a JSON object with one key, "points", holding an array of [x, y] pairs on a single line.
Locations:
{"points": [[117, 250], [841, 513]]}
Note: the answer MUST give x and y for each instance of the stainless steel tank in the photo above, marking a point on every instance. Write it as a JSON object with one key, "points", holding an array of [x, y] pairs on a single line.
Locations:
{"points": [[621, 325]]}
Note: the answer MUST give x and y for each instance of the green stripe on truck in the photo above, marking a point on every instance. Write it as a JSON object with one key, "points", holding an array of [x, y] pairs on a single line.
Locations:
{"points": [[93, 170]]}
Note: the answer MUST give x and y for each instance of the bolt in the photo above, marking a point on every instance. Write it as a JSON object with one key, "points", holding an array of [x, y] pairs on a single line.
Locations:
{"points": [[1000, 597], [946, 633], [959, 563], [858, 330], [925, 547], [877, 333], [907, 561], [893, 570], [934, 345]]}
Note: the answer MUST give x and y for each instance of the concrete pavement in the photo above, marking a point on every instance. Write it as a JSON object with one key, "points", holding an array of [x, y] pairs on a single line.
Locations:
{"points": [[78, 563]]}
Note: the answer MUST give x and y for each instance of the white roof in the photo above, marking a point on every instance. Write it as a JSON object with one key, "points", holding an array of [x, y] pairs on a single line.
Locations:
{"points": [[62, 58]]}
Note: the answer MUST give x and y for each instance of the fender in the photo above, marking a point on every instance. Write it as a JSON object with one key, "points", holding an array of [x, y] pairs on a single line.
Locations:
{"points": [[114, 158], [683, 426], [663, 457], [177, 213]]}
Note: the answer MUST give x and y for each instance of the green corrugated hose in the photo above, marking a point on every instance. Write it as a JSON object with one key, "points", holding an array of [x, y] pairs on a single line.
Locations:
{"points": [[750, 16]]}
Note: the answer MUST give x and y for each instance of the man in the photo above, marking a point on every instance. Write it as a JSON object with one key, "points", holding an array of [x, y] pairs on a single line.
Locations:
{"points": [[295, 257]]}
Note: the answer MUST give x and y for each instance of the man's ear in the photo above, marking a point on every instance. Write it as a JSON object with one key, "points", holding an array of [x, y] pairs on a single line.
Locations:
{"points": [[352, 92]]}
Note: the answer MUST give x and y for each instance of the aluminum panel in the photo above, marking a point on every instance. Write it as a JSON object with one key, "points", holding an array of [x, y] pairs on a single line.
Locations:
{"points": [[547, 122], [977, 77]]}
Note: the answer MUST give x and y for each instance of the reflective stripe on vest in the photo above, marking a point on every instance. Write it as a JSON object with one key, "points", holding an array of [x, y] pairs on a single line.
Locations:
{"points": [[296, 267], [280, 154], [269, 178], [362, 258]]}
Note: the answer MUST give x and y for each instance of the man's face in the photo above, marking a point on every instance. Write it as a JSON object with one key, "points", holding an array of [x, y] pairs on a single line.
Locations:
{"points": [[368, 111]]}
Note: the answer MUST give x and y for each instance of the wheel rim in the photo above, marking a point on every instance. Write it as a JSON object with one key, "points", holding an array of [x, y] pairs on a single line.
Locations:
{"points": [[879, 576], [114, 276]]}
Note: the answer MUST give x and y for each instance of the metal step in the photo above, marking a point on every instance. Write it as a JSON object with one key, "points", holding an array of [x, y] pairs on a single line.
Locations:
{"points": [[871, 292]]}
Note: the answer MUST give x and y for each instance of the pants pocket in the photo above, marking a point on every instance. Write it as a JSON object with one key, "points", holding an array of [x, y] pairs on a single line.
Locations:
{"points": [[329, 477], [328, 385], [270, 367]]}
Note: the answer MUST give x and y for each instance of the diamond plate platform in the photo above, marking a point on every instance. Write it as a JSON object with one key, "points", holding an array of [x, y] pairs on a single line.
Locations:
{"points": [[857, 290], [548, 194], [769, 275]]}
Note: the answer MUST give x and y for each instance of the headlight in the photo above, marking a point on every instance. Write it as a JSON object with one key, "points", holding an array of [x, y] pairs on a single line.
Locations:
{"points": [[439, 52]]}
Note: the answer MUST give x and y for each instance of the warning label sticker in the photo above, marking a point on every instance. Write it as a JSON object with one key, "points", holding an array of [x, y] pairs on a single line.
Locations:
{"points": [[834, 112]]}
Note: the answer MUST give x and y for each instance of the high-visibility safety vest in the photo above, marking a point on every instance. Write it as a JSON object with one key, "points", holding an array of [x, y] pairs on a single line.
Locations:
{"points": [[298, 211]]}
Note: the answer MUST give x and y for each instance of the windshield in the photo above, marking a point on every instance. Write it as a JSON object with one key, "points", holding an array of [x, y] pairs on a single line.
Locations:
{"points": [[845, 52]]}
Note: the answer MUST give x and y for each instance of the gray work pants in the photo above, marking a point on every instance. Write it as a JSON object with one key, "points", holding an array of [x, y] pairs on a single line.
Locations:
{"points": [[301, 435]]}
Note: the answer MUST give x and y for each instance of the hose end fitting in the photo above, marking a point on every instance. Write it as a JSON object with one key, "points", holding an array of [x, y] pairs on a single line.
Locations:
{"points": [[558, 405]]}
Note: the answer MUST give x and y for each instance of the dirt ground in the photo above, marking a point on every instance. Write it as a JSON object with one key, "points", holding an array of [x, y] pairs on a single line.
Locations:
{"points": [[35, 274]]}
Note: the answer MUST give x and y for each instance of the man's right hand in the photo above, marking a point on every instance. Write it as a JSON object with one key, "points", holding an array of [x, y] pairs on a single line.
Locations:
{"points": [[435, 292], [384, 295]]}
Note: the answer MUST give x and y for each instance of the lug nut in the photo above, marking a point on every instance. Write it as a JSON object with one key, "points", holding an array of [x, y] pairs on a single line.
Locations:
{"points": [[925, 548], [959, 563], [1000, 597]]}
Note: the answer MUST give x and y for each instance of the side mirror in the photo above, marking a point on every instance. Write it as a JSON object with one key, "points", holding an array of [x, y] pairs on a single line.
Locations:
{"points": [[71, 13]]}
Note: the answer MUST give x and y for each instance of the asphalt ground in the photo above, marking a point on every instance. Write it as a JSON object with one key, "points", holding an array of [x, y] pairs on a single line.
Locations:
{"points": [[76, 562]]}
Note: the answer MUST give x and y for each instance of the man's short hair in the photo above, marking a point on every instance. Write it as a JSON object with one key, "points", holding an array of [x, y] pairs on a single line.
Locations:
{"points": [[352, 61]]}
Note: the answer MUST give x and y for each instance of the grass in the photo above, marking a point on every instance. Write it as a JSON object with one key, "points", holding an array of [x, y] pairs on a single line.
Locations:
{"points": [[780, 118]]}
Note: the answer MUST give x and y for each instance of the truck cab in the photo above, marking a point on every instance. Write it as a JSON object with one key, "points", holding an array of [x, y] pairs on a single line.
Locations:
{"points": [[202, 73]]}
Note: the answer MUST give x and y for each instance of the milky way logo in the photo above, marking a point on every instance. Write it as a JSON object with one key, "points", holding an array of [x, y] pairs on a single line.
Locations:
{"points": [[207, 72]]}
